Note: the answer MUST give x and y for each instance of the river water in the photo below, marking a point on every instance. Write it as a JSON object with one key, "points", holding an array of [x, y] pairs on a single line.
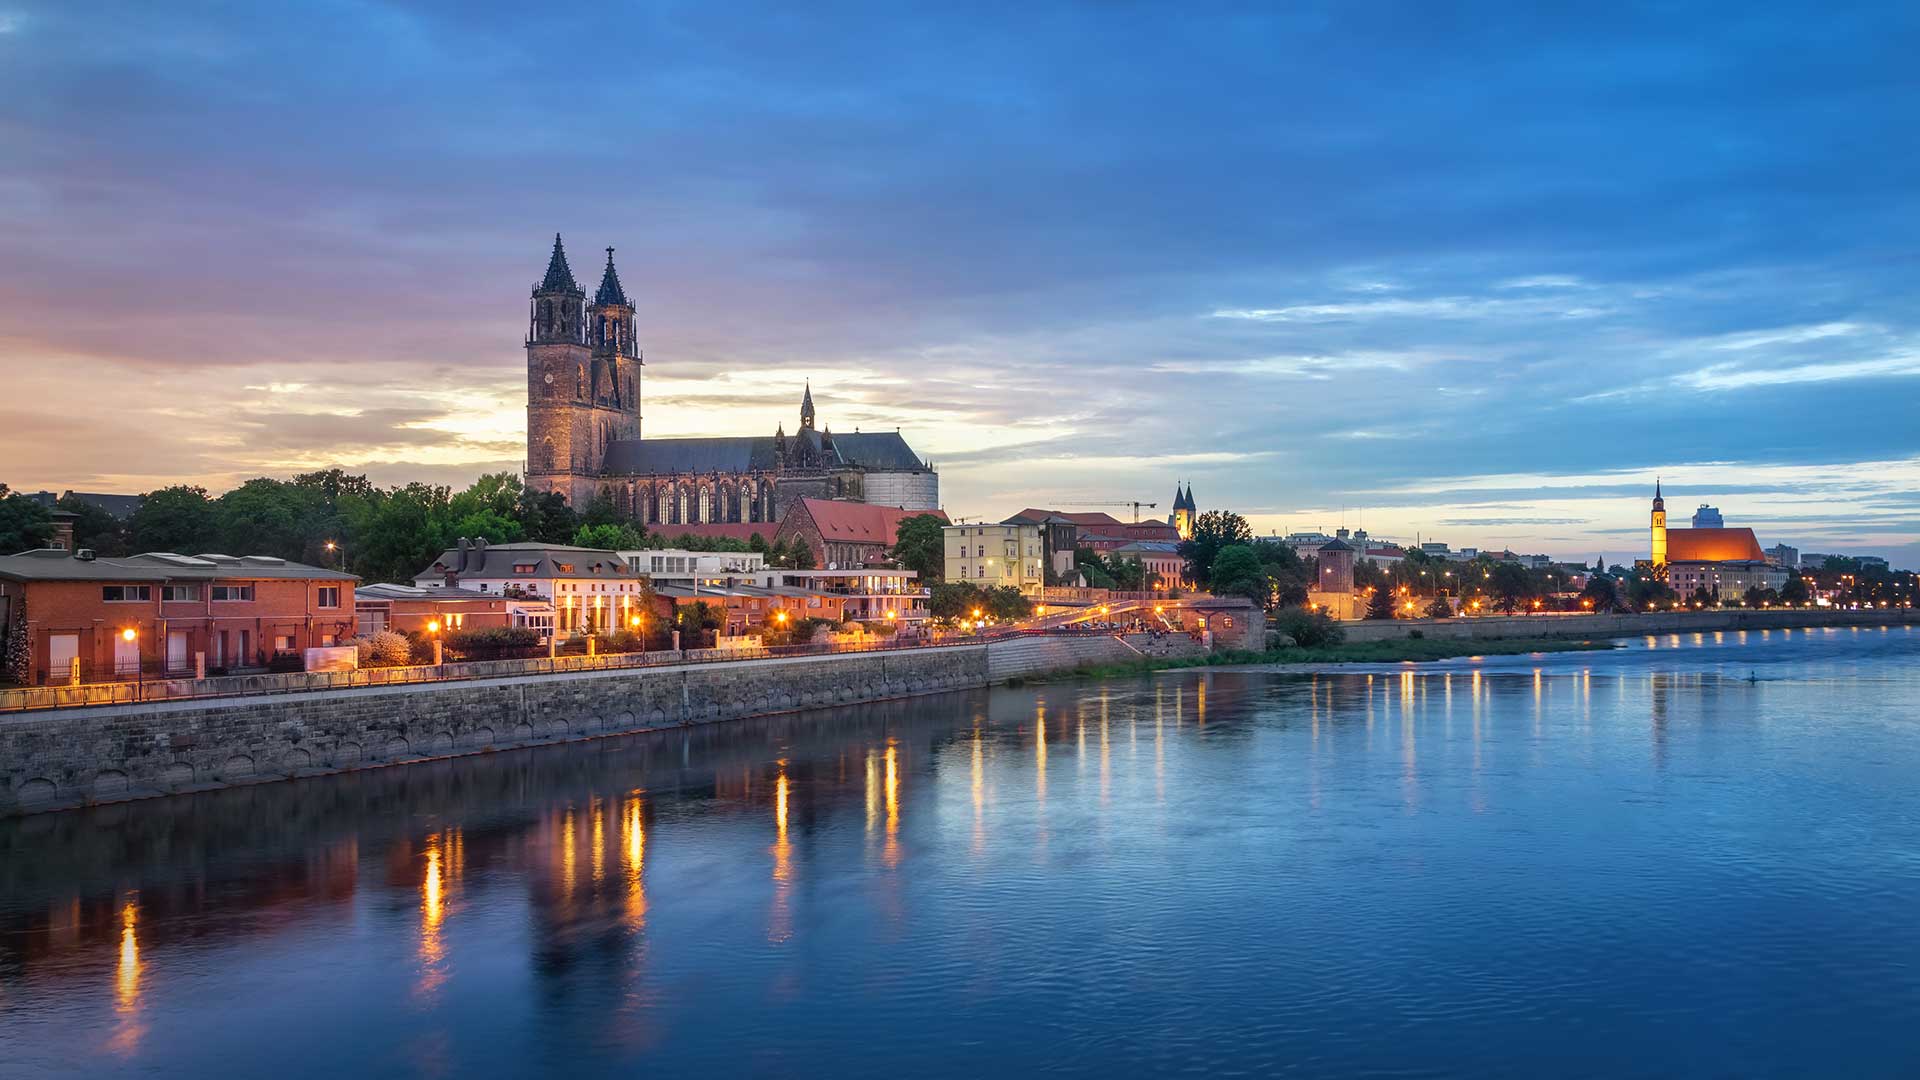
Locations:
{"points": [[1692, 856]]}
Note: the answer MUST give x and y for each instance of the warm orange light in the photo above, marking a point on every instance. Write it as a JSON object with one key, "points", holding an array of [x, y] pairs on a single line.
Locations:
{"points": [[633, 621], [433, 626], [781, 615], [129, 634]]}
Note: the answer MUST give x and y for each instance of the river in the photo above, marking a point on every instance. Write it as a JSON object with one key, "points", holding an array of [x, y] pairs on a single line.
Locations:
{"points": [[1693, 855]]}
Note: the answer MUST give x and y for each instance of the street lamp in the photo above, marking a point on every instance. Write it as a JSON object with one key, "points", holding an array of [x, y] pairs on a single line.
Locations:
{"points": [[433, 631], [131, 634]]}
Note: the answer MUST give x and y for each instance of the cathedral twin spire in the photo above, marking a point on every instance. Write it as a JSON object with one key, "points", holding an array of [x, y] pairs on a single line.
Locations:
{"points": [[559, 279]]}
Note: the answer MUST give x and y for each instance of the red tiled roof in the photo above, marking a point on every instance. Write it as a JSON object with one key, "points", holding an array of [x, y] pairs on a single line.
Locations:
{"points": [[852, 522], [729, 530], [1082, 519], [1712, 545]]}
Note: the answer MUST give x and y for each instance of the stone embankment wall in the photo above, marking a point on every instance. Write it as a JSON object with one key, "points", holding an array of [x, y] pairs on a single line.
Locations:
{"points": [[1634, 625], [67, 757], [1022, 656]]}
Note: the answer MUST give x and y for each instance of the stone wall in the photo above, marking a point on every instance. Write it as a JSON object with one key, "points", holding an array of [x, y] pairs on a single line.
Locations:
{"points": [[1030, 655], [73, 756], [1624, 625]]}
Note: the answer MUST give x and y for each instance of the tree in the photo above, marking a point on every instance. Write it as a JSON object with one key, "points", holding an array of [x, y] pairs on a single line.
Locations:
{"points": [[1005, 603], [1440, 608], [1701, 597], [1510, 584], [1308, 629], [1212, 531], [1795, 591], [179, 519], [24, 524], [1599, 595], [17, 663], [1380, 604], [1088, 562], [954, 600], [624, 536], [1645, 592], [1237, 572], [93, 527], [546, 517], [920, 544], [800, 555]]}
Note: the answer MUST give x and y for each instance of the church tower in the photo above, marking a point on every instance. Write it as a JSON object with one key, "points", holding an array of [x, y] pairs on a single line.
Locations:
{"points": [[1183, 511], [1659, 533], [557, 361], [806, 408], [614, 381]]}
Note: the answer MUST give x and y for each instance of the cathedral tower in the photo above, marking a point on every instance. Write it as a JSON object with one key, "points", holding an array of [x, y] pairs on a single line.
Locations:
{"points": [[1659, 532], [557, 360], [583, 379], [1183, 511]]}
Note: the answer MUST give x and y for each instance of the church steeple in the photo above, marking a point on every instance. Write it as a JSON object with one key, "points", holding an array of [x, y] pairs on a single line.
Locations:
{"points": [[559, 277], [610, 290], [806, 408]]}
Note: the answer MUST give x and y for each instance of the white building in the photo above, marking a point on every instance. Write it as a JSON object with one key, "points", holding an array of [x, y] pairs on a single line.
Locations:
{"points": [[1729, 580], [589, 589]]}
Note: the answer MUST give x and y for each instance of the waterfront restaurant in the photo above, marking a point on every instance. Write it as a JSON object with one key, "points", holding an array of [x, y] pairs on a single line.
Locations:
{"points": [[161, 614]]}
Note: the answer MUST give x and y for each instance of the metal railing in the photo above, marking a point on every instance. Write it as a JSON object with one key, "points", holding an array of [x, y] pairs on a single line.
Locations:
{"points": [[147, 690]]}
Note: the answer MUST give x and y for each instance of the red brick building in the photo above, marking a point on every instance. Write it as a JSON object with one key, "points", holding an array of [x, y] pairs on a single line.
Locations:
{"points": [[157, 613], [845, 534], [406, 609]]}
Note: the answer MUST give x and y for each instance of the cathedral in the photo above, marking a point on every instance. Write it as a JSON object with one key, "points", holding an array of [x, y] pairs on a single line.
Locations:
{"points": [[584, 441]]}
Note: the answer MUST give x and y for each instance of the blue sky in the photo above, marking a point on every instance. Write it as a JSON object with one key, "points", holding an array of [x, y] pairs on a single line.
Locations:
{"points": [[1476, 272]]}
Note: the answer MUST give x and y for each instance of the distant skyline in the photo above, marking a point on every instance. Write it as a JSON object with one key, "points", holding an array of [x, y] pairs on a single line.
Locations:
{"points": [[1478, 274]]}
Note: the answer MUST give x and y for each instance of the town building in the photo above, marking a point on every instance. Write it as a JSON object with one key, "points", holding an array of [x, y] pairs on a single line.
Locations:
{"points": [[1161, 560], [672, 566], [411, 609], [1727, 562], [1708, 517], [844, 534], [1783, 555], [1102, 532], [590, 590], [1059, 540], [121, 507], [995, 556], [584, 439], [746, 610], [165, 614]]}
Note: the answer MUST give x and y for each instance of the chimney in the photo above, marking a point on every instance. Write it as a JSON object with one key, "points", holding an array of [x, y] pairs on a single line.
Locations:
{"points": [[63, 530], [461, 566], [479, 554]]}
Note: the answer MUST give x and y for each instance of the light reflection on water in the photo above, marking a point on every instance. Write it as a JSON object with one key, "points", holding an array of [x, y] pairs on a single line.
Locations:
{"points": [[1697, 854]]}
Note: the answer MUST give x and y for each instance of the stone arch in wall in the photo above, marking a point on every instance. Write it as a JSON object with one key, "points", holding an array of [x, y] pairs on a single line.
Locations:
{"points": [[679, 505], [706, 503], [660, 506], [546, 454]]}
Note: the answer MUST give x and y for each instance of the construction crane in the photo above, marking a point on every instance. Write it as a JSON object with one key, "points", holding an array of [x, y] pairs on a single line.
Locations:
{"points": [[1136, 504]]}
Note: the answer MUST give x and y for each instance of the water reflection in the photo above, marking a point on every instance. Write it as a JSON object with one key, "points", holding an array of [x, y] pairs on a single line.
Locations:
{"points": [[448, 916]]}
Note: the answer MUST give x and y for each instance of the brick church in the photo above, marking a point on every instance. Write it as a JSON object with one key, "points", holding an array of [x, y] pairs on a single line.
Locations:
{"points": [[583, 430]]}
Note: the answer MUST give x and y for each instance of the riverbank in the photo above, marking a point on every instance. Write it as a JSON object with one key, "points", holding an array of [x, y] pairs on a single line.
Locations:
{"points": [[1393, 651]]}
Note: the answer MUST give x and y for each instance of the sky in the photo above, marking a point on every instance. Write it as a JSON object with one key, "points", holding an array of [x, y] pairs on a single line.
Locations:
{"points": [[1471, 273]]}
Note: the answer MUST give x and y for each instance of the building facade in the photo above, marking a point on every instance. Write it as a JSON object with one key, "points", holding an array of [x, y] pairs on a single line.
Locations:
{"points": [[584, 438], [992, 556], [843, 534], [590, 591], [161, 614]]}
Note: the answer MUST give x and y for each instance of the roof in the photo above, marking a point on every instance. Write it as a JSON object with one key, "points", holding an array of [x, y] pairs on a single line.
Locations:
{"points": [[559, 277], [1148, 547], [1712, 545], [59, 565], [885, 451], [388, 591], [729, 530], [1336, 544], [679, 457], [121, 507], [610, 290], [499, 560], [882, 450], [858, 523], [1032, 515]]}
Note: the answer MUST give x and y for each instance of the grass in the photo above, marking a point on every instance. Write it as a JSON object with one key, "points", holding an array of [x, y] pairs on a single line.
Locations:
{"points": [[1398, 650]]}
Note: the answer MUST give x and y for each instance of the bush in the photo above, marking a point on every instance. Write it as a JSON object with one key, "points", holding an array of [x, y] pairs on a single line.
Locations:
{"points": [[482, 639], [1308, 629], [385, 649]]}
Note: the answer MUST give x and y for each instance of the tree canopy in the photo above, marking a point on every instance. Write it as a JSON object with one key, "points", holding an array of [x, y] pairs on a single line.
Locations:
{"points": [[920, 545], [1212, 531]]}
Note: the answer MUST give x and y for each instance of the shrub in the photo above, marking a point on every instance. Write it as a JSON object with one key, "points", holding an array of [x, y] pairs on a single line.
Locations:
{"points": [[385, 649], [1308, 629], [490, 638]]}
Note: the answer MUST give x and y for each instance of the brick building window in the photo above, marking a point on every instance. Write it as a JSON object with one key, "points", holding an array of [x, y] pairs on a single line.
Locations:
{"points": [[179, 592], [329, 596], [117, 594], [233, 592]]}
